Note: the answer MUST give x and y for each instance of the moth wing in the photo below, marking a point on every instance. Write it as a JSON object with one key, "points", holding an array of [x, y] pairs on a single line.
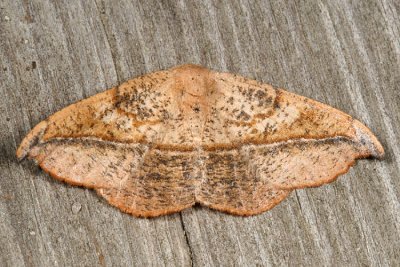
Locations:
{"points": [[129, 113], [102, 143], [93, 118], [230, 183], [294, 141]]}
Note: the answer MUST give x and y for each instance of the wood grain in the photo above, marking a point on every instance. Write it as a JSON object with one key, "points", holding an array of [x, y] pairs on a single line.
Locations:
{"points": [[343, 53]]}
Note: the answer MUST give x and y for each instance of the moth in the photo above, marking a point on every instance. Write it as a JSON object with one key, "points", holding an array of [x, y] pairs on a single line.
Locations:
{"points": [[162, 142]]}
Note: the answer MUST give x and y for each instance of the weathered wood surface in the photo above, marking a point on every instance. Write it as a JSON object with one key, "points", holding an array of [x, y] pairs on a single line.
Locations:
{"points": [[343, 53]]}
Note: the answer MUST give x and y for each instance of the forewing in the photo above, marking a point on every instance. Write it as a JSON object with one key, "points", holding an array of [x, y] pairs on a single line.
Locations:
{"points": [[95, 117]]}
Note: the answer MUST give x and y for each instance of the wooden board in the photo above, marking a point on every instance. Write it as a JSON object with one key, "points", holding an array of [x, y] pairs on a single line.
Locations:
{"points": [[343, 53]]}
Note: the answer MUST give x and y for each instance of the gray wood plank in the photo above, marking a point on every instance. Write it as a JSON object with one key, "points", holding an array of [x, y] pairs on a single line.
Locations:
{"points": [[343, 53]]}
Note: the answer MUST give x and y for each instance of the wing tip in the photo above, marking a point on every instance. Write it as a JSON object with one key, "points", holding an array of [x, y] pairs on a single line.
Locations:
{"points": [[365, 137], [31, 139]]}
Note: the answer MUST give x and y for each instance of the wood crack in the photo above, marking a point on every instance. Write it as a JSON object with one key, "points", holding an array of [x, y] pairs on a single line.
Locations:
{"points": [[191, 253]]}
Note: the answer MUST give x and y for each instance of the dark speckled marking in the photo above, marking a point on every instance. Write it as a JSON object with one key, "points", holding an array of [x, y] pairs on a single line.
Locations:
{"points": [[162, 181], [232, 184]]}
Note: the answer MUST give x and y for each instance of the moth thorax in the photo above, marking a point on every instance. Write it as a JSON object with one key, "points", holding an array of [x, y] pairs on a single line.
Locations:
{"points": [[194, 86]]}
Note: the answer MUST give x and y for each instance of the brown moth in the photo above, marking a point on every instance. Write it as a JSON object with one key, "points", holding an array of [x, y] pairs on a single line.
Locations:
{"points": [[160, 143]]}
